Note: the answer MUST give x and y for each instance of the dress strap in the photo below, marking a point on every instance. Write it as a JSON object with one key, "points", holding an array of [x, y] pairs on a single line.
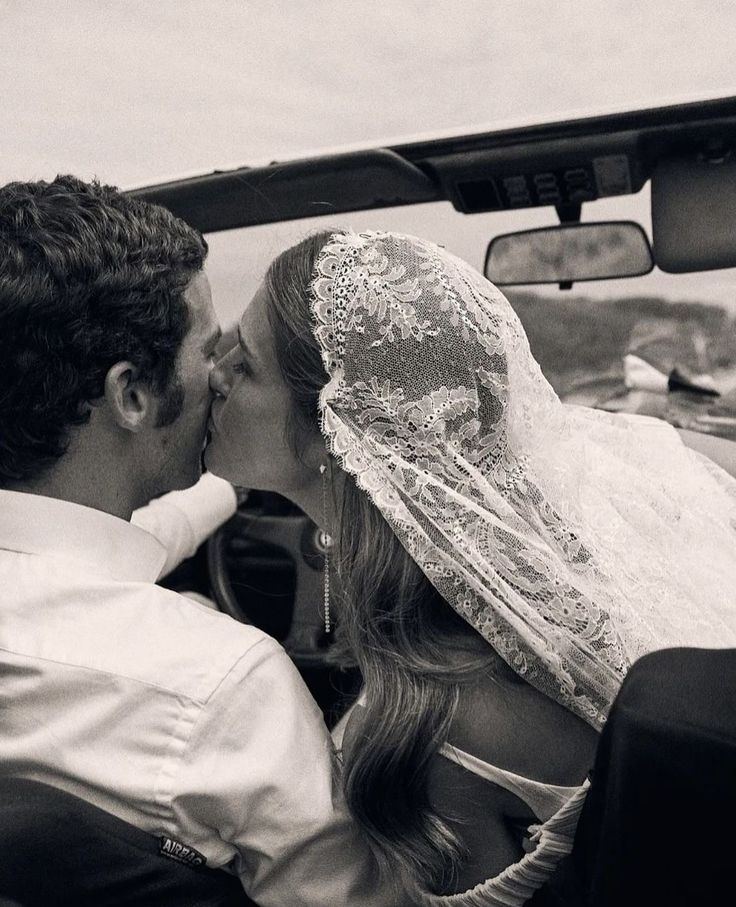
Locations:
{"points": [[543, 799]]}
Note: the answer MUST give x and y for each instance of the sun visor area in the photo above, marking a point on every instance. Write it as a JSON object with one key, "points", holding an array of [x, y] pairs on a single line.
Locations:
{"points": [[331, 184], [694, 212]]}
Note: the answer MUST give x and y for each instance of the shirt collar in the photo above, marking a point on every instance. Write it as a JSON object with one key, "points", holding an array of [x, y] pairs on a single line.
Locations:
{"points": [[35, 524]]}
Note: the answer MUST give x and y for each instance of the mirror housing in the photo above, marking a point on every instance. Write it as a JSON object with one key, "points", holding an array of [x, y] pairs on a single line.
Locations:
{"points": [[569, 252], [694, 212]]}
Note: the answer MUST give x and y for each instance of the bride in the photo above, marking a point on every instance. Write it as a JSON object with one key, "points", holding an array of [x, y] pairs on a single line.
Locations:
{"points": [[500, 558]]}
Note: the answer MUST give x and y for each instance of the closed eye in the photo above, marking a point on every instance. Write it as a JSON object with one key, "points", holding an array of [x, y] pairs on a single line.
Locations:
{"points": [[241, 368]]}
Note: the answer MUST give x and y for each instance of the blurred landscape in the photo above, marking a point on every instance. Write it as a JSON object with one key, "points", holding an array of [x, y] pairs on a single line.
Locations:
{"points": [[581, 342]]}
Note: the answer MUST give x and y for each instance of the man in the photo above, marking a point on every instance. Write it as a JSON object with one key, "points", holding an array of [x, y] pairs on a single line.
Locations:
{"points": [[171, 716]]}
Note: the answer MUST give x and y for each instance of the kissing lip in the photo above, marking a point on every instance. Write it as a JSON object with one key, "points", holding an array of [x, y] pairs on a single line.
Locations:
{"points": [[212, 421]]}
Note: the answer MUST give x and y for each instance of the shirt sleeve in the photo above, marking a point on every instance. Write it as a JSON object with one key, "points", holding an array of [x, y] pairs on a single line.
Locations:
{"points": [[260, 772], [182, 520]]}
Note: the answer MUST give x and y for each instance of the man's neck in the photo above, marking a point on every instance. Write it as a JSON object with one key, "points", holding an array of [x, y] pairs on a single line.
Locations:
{"points": [[83, 488]]}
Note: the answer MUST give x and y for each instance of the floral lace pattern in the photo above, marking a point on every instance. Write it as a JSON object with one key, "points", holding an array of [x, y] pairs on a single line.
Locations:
{"points": [[572, 540]]}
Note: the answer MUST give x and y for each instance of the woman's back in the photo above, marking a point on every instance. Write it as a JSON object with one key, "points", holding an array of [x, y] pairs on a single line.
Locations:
{"points": [[514, 757]]}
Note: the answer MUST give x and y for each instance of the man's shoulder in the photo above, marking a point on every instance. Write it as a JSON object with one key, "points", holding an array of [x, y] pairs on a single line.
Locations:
{"points": [[137, 633], [186, 647]]}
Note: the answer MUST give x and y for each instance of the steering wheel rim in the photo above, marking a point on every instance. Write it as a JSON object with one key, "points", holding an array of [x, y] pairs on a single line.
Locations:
{"points": [[296, 534]]}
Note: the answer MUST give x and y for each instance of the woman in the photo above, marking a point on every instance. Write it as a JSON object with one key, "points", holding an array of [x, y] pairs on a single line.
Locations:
{"points": [[501, 557]]}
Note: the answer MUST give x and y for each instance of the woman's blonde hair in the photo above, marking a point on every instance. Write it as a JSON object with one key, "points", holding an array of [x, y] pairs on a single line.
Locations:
{"points": [[412, 649]]}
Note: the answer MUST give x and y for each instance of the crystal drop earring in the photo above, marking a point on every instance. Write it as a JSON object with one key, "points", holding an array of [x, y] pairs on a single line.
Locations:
{"points": [[326, 541]]}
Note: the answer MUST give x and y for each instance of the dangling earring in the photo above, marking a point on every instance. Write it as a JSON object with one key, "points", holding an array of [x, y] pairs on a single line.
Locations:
{"points": [[326, 541]]}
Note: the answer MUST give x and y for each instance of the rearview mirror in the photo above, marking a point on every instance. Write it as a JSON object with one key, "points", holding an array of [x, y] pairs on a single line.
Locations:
{"points": [[569, 252]]}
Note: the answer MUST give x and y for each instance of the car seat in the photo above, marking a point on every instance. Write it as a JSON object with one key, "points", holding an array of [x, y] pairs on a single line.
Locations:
{"points": [[56, 849], [655, 828]]}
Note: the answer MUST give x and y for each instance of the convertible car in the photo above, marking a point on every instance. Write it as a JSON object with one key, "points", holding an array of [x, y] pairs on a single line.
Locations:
{"points": [[613, 238]]}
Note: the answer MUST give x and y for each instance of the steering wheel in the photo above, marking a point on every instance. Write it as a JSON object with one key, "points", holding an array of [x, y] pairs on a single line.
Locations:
{"points": [[255, 534]]}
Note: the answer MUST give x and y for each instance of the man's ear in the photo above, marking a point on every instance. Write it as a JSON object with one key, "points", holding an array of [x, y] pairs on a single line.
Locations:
{"points": [[130, 400]]}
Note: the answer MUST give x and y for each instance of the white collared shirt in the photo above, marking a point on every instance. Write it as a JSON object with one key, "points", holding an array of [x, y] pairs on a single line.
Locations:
{"points": [[174, 717]]}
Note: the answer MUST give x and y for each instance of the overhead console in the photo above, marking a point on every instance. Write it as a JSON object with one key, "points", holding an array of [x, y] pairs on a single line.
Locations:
{"points": [[563, 164], [567, 164]]}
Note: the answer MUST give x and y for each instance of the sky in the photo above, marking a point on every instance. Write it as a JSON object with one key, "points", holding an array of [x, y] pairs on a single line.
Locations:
{"points": [[134, 92]]}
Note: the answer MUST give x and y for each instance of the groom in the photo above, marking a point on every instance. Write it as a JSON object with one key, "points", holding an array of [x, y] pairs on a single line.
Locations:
{"points": [[173, 717]]}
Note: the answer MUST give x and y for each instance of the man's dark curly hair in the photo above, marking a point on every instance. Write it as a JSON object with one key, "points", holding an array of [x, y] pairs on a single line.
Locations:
{"points": [[88, 277]]}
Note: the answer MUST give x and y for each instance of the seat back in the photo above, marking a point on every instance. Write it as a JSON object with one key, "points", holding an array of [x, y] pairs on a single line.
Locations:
{"points": [[57, 849], [655, 827]]}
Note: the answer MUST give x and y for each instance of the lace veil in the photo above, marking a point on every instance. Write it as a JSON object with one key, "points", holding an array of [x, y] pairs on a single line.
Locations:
{"points": [[573, 540]]}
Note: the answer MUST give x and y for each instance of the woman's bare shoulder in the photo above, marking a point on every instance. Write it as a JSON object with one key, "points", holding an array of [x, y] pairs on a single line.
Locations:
{"points": [[509, 724]]}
